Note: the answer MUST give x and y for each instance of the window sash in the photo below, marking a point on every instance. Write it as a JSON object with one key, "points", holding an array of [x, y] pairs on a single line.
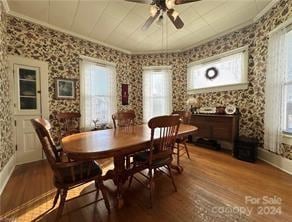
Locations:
{"points": [[164, 94], [233, 62], [90, 97]]}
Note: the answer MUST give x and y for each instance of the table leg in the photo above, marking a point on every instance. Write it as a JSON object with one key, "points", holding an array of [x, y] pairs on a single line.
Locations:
{"points": [[120, 178], [177, 167]]}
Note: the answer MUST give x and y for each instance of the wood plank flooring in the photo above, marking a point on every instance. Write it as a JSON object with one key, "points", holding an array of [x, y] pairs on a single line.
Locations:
{"points": [[212, 181]]}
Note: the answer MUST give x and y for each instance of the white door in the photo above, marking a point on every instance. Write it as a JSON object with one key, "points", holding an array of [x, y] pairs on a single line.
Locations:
{"points": [[27, 79]]}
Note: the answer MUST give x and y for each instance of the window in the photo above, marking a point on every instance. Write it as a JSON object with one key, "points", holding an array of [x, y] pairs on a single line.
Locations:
{"points": [[231, 72], [288, 86], [97, 93], [157, 92]]}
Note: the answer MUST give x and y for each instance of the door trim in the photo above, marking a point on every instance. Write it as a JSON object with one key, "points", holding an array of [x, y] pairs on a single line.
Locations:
{"points": [[44, 86]]}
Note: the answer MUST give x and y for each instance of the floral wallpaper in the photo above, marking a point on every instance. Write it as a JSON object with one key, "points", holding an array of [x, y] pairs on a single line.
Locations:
{"points": [[251, 101], [6, 147], [62, 52]]}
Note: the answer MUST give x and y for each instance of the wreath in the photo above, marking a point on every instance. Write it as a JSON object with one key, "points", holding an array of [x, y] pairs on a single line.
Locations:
{"points": [[211, 73]]}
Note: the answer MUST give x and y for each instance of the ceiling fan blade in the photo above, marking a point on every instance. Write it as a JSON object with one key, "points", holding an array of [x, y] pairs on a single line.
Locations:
{"points": [[177, 22], [150, 20], [148, 2], [179, 2]]}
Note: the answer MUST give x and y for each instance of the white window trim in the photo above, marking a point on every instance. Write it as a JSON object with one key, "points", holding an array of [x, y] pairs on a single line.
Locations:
{"points": [[95, 60], [100, 62], [240, 86], [158, 69], [286, 136]]}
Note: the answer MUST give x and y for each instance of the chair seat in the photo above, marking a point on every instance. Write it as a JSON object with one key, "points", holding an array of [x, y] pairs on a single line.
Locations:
{"points": [[144, 157], [82, 172]]}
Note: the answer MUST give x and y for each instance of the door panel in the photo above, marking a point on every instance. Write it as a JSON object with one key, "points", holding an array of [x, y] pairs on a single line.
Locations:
{"points": [[27, 90], [27, 105], [28, 145]]}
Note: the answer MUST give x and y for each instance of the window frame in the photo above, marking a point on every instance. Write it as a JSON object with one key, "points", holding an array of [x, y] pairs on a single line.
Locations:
{"points": [[239, 86], [287, 135], [100, 63], [168, 69]]}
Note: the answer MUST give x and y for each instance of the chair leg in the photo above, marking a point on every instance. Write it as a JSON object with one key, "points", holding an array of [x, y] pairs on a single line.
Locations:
{"points": [[178, 155], [186, 148], [128, 162], [171, 176], [131, 178], [97, 188], [104, 194], [56, 198], [62, 203], [151, 187]]}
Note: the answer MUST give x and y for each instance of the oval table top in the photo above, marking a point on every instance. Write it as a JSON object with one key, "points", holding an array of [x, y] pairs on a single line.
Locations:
{"points": [[111, 142]]}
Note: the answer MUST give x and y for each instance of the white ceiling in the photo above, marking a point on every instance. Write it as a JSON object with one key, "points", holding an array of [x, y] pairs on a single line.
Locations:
{"points": [[118, 23]]}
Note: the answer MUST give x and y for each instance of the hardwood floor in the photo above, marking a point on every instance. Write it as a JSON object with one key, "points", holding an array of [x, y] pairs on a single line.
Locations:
{"points": [[211, 182]]}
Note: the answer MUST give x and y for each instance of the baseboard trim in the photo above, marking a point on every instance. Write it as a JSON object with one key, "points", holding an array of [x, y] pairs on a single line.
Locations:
{"points": [[275, 160], [6, 172]]}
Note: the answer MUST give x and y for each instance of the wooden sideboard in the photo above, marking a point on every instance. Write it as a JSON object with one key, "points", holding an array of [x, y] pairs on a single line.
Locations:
{"points": [[217, 127]]}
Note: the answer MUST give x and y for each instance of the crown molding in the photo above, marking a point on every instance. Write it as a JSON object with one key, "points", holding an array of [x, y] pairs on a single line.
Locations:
{"points": [[233, 29], [265, 10], [45, 24], [6, 6]]}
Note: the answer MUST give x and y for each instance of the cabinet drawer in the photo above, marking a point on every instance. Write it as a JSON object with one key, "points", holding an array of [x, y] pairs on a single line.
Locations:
{"points": [[204, 131], [222, 133]]}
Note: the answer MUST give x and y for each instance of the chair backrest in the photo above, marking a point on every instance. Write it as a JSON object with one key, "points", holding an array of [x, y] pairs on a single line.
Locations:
{"points": [[124, 118], [69, 123], [164, 131], [184, 115], [42, 128]]}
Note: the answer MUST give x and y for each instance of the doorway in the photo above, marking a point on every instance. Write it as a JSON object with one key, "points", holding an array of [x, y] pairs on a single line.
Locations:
{"points": [[29, 87]]}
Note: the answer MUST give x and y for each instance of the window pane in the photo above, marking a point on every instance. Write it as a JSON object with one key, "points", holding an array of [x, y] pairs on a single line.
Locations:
{"points": [[156, 93], [98, 94], [28, 103], [289, 44], [288, 125], [230, 70]]}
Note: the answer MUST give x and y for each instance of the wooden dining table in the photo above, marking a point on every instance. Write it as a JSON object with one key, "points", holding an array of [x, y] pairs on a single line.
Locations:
{"points": [[116, 143]]}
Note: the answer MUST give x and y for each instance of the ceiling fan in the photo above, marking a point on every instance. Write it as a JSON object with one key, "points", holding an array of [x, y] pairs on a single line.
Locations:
{"points": [[158, 7]]}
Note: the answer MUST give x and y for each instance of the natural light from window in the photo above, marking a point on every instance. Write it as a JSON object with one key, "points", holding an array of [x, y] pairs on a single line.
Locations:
{"points": [[156, 92], [231, 68], [288, 87], [98, 93]]}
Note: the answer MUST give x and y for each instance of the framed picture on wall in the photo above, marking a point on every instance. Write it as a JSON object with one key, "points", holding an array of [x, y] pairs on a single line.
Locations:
{"points": [[65, 89], [125, 94]]}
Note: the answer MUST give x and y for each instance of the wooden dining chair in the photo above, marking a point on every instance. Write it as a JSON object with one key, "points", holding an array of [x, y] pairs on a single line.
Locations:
{"points": [[181, 142], [124, 119], [69, 123], [164, 131], [68, 174]]}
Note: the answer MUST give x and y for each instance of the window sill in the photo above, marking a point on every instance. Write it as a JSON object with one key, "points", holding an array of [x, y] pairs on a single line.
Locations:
{"points": [[287, 138], [239, 86]]}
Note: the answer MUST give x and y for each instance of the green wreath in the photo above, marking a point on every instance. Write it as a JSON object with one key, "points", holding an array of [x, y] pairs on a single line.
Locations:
{"points": [[208, 74]]}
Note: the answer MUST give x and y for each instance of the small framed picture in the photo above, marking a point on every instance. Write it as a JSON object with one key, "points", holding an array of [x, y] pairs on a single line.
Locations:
{"points": [[65, 89]]}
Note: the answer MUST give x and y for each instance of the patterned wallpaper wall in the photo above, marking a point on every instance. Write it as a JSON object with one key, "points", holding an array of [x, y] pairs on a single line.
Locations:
{"points": [[6, 149], [62, 52], [179, 77], [251, 101]]}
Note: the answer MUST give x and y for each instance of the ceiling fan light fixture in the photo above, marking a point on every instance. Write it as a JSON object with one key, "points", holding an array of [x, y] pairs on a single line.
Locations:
{"points": [[153, 10], [170, 4], [175, 14]]}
